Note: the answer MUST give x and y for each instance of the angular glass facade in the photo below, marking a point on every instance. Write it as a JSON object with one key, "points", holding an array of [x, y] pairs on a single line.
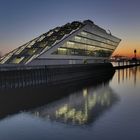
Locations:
{"points": [[72, 39], [88, 44], [37, 46]]}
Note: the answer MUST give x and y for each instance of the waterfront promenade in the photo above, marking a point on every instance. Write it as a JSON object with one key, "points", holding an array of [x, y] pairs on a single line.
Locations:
{"points": [[20, 76], [125, 64]]}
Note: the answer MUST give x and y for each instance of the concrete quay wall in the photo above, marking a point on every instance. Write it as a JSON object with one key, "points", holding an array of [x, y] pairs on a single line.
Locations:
{"points": [[19, 77]]}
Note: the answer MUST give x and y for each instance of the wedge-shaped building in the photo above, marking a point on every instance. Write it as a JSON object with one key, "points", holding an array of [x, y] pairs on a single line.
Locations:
{"points": [[72, 43]]}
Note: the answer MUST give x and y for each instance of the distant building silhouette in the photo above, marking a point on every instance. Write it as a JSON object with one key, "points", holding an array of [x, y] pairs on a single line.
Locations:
{"points": [[135, 55]]}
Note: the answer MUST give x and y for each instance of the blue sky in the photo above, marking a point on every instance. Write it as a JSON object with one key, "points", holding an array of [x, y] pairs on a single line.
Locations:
{"points": [[23, 20]]}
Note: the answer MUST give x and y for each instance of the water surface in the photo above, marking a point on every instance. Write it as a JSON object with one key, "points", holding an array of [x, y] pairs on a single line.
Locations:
{"points": [[109, 110]]}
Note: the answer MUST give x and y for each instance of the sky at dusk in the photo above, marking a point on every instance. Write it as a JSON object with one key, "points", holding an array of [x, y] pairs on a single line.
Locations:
{"points": [[23, 20]]}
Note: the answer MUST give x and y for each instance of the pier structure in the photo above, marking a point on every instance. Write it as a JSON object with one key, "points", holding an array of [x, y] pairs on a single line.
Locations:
{"points": [[125, 63], [26, 76]]}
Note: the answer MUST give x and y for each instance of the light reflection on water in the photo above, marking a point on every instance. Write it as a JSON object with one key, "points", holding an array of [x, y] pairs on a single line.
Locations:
{"points": [[109, 110], [132, 74], [80, 108]]}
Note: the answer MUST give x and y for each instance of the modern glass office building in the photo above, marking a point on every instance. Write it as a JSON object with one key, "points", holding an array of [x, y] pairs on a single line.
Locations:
{"points": [[72, 43]]}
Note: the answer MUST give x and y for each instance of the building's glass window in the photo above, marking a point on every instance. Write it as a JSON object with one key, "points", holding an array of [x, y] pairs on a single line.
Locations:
{"points": [[92, 42], [41, 38], [86, 44], [77, 38], [7, 57], [32, 51], [62, 51], [20, 49], [17, 60], [83, 33], [70, 43], [81, 52], [50, 33], [31, 43], [100, 38]]}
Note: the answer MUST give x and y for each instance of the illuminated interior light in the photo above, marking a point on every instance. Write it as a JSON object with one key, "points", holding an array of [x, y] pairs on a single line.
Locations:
{"points": [[20, 49], [50, 33], [41, 38], [62, 49], [85, 92], [7, 57], [70, 43], [17, 60], [78, 38], [84, 33]]}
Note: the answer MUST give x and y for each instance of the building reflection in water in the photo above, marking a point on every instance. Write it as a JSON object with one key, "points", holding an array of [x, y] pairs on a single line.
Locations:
{"points": [[82, 107], [128, 74]]}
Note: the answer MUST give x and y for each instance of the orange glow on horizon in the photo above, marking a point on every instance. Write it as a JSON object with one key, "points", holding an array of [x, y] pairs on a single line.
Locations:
{"points": [[127, 49]]}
